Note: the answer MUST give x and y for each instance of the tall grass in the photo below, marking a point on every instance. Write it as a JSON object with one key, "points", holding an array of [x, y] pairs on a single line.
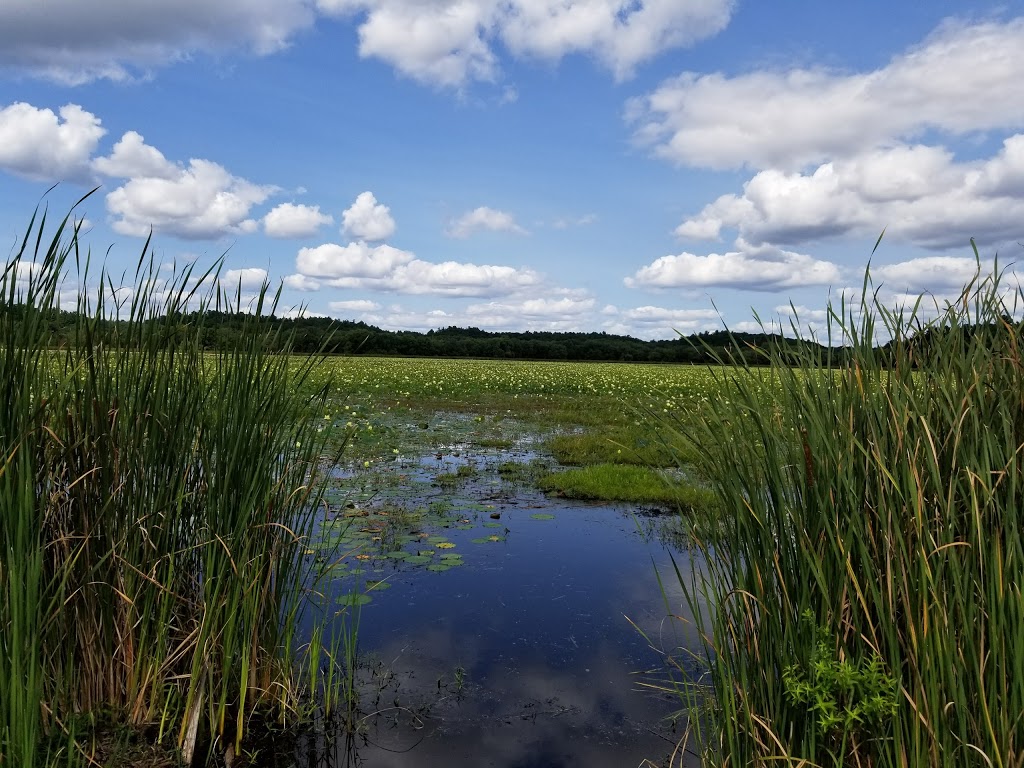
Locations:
{"points": [[866, 572], [157, 501]]}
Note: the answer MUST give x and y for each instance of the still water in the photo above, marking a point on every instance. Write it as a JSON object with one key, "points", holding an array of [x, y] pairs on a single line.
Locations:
{"points": [[531, 653]]}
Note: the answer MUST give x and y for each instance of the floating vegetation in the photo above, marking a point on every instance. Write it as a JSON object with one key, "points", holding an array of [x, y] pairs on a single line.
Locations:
{"points": [[542, 516], [354, 599]]}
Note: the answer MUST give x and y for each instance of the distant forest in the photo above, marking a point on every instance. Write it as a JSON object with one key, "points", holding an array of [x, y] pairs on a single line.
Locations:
{"points": [[312, 334]]}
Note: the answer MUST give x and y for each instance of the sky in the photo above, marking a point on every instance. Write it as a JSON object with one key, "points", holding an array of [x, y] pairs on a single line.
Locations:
{"points": [[647, 167]]}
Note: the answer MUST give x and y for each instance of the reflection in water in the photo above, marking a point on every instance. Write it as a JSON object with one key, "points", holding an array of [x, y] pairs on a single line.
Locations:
{"points": [[522, 657]]}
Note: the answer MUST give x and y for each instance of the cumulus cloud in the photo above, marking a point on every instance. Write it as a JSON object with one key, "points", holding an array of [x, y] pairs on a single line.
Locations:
{"points": [[763, 268], [352, 261], [74, 42], [651, 322], [40, 145], [132, 157], [199, 201], [385, 268], [288, 220], [354, 305], [367, 219], [247, 277], [301, 283], [483, 218], [555, 312], [452, 42], [918, 194], [964, 78], [928, 273]]}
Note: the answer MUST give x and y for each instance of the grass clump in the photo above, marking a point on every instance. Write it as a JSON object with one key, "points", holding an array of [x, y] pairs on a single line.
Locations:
{"points": [[623, 445], [864, 574], [623, 482], [157, 503]]}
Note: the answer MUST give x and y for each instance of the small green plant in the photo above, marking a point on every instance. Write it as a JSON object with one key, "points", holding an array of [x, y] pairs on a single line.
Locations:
{"points": [[846, 697]]}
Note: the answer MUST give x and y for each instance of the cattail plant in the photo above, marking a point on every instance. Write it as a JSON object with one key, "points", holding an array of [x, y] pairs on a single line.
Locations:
{"points": [[158, 501], [866, 565]]}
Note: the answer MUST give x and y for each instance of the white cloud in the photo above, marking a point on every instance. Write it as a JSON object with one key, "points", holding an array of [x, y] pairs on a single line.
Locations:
{"points": [[247, 277], [352, 261], [752, 268], [449, 278], [197, 202], [354, 305], [483, 218], [452, 42], [549, 313], [650, 322], [384, 268], [928, 273], [367, 219], [288, 220], [963, 79], [918, 194], [301, 283], [74, 42], [132, 157], [38, 144]]}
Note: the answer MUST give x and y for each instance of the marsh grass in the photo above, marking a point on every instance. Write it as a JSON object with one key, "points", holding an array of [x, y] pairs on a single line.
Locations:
{"points": [[632, 444], [157, 501], [867, 565], [625, 482]]}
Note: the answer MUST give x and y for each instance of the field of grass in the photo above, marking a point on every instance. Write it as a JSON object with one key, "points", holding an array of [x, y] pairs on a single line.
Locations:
{"points": [[587, 414]]}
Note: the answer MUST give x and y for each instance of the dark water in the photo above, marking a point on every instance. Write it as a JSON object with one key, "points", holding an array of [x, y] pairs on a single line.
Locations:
{"points": [[525, 656]]}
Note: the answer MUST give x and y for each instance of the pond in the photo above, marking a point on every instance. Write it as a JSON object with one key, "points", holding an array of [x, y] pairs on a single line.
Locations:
{"points": [[501, 627]]}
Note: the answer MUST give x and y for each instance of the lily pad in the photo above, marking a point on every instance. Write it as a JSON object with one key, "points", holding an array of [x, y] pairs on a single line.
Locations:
{"points": [[376, 586], [494, 525], [445, 545], [426, 552], [418, 559], [438, 567], [482, 540], [400, 554], [450, 558], [354, 599], [542, 516]]}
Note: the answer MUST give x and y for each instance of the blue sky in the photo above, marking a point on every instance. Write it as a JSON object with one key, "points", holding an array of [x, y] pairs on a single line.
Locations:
{"points": [[632, 166]]}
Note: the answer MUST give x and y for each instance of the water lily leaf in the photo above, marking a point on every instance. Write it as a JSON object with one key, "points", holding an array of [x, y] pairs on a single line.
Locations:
{"points": [[400, 554], [426, 552], [445, 545], [438, 567], [482, 540], [494, 525], [374, 586], [450, 556], [542, 516], [418, 559], [354, 598]]}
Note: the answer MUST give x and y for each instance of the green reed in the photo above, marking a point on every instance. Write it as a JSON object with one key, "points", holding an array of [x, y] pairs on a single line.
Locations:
{"points": [[157, 506], [865, 578]]}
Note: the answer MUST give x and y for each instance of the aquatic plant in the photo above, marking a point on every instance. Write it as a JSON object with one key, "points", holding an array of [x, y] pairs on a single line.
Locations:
{"points": [[157, 501], [864, 571]]}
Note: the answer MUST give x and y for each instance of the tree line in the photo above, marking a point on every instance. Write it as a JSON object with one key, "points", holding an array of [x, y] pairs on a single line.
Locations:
{"points": [[221, 330]]}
